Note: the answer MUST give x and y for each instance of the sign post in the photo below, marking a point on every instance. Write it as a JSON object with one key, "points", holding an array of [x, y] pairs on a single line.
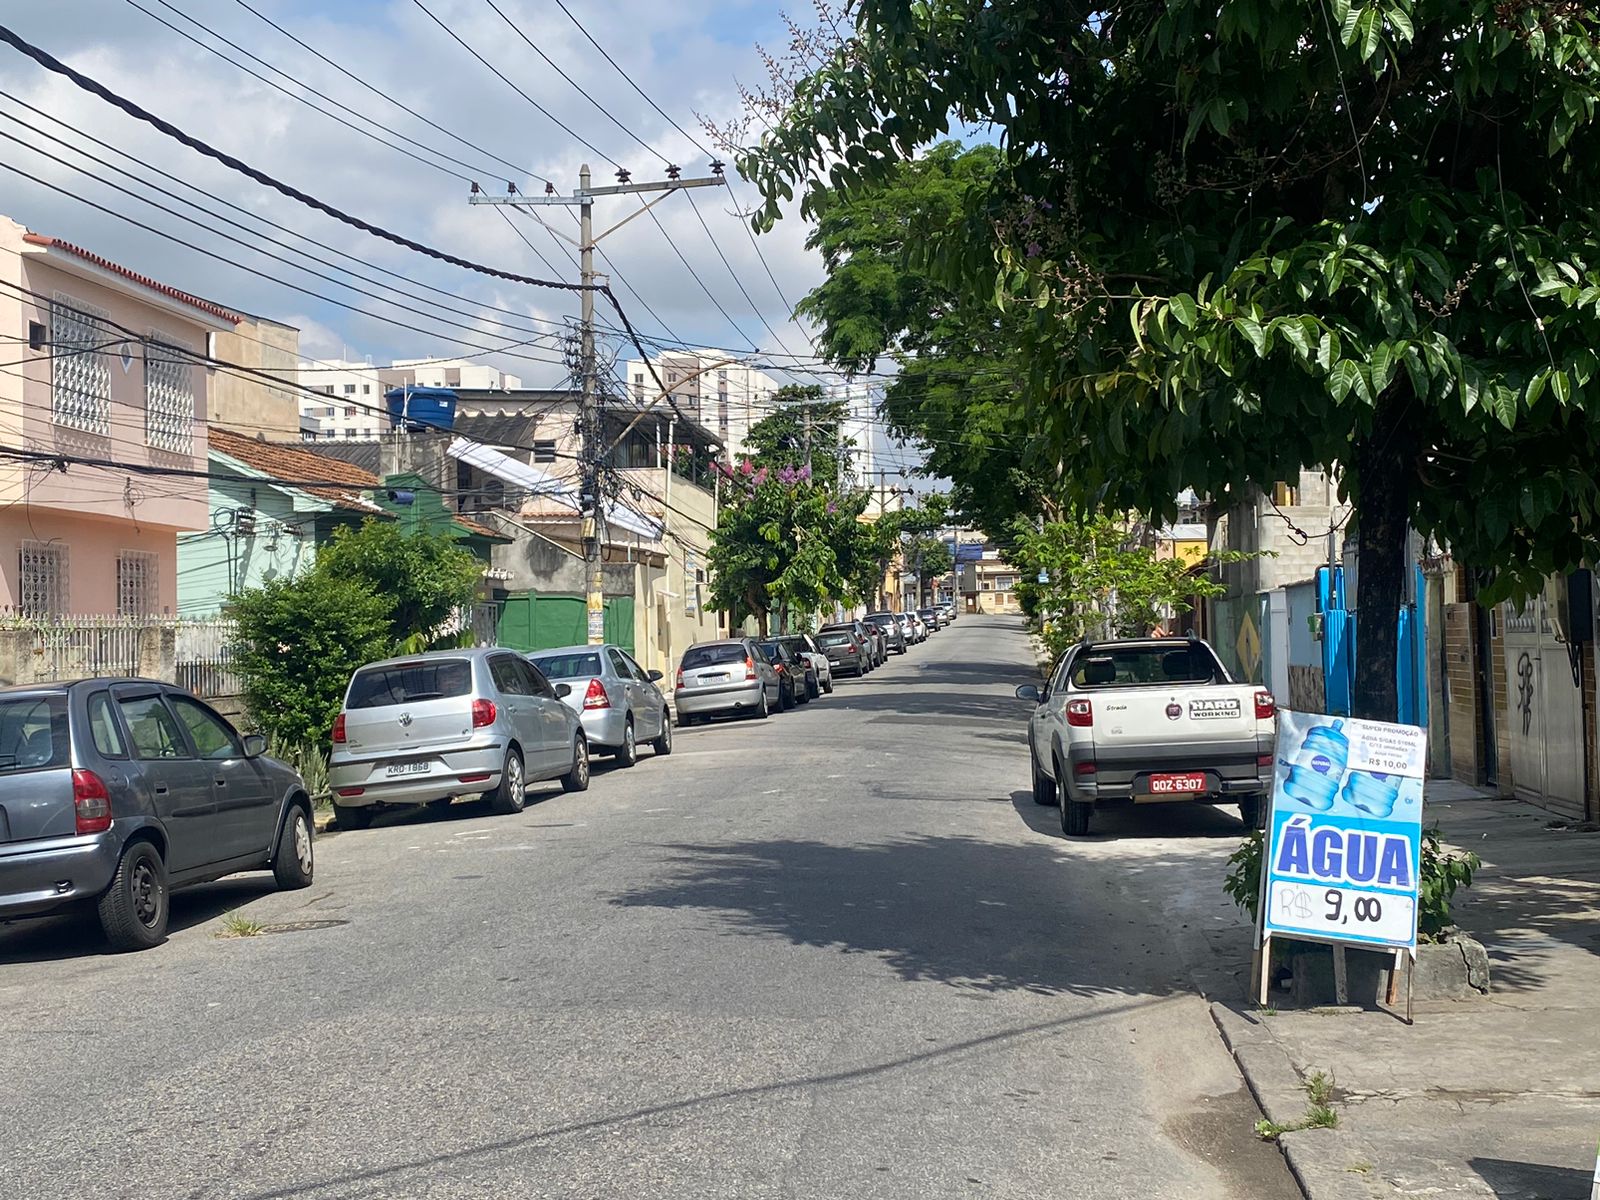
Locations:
{"points": [[1344, 843]]}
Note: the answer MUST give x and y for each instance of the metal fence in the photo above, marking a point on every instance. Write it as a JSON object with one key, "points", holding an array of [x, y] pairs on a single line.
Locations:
{"points": [[204, 658], [196, 654]]}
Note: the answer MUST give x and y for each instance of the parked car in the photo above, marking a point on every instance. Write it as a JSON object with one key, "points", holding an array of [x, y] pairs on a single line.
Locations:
{"points": [[894, 635], [1149, 721], [617, 700], [949, 612], [793, 671], [847, 652], [806, 647], [877, 650], [116, 792], [729, 676], [932, 618], [907, 629], [430, 727]]}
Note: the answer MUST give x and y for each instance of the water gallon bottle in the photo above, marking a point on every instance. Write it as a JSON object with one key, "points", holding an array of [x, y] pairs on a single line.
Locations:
{"points": [[1373, 794], [1317, 768]]}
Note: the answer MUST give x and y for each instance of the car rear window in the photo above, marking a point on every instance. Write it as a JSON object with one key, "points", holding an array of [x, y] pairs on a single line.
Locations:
{"points": [[567, 666], [33, 733], [834, 639], [712, 656], [1135, 666], [409, 683]]}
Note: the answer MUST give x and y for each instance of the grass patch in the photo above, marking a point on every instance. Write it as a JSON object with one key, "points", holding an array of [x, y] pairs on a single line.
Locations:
{"points": [[1320, 1113], [236, 926]]}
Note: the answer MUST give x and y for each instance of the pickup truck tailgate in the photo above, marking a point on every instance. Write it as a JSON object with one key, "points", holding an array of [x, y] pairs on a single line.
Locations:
{"points": [[1144, 716]]}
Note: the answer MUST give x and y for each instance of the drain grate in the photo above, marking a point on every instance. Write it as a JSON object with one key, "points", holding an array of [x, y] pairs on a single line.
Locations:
{"points": [[300, 926]]}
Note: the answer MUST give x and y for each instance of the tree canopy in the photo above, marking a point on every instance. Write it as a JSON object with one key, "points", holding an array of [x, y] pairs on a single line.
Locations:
{"points": [[1231, 241]]}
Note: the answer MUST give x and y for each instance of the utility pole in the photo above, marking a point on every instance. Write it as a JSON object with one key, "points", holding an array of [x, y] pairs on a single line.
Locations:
{"points": [[592, 483]]}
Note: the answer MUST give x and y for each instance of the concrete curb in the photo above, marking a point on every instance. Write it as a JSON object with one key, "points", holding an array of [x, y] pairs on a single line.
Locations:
{"points": [[1328, 1164]]}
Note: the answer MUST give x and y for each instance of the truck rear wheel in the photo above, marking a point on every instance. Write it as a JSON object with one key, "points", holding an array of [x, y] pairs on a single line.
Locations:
{"points": [[1074, 813], [1253, 811]]}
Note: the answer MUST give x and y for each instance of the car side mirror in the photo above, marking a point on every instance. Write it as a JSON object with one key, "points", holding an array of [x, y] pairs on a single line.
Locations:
{"points": [[254, 745], [1030, 691], [654, 676], [563, 690]]}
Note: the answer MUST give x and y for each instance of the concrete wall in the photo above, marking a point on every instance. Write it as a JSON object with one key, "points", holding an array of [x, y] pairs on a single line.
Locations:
{"points": [[250, 405]]}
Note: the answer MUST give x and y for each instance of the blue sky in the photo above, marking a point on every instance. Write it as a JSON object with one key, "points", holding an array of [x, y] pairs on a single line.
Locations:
{"points": [[686, 55]]}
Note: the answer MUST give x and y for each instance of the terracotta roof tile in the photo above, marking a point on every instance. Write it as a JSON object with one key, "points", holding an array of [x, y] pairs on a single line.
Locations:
{"points": [[330, 479], [478, 528], [105, 264]]}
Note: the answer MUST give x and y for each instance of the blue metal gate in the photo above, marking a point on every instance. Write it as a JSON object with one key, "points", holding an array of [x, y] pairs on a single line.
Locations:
{"points": [[1339, 650]]}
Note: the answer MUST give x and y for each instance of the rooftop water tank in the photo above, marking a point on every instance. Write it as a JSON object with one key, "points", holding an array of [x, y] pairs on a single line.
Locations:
{"points": [[421, 408]]}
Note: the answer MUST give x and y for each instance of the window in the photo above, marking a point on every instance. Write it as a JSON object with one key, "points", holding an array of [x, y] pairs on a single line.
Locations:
{"points": [[168, 398], [33, 733], [714, 655], [618, 663], [349, 389], [349, 433], [544, 450], [638, 671], [510, 681], [42, 579], [137, 589], [103, 727], [349, 410], [1004, 583], [328, 387], [155, 734], [539, 685], [213, 737], [577, 665], [330, 412], [1135, 666], [410, 683], [366, 389], [80, 376]]}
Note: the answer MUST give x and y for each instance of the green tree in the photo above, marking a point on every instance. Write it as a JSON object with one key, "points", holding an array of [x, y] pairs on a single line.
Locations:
{"points": [[1241, 239], [299, 641], [424, 577], [805, 431]]}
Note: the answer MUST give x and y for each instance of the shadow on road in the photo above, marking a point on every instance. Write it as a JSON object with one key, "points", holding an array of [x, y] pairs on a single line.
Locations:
{"points": [[77, 934], [1135, 822], [975, 914]]}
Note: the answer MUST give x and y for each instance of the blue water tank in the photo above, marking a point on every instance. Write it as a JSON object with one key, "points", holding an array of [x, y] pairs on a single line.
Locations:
{"points": [[421, 408]]}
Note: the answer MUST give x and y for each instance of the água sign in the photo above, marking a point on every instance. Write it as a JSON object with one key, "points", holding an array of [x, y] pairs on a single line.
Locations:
{"points": [[1345, 838]]}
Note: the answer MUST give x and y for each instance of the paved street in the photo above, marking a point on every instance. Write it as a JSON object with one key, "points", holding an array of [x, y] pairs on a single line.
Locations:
{"points": [[837, 954]]}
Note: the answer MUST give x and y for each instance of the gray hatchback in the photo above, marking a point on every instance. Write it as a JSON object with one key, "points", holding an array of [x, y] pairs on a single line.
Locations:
{"points": [[113, 792]]}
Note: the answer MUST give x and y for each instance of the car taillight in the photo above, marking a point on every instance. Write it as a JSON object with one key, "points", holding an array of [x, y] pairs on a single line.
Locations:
{"points": [[338, 730], [1266, 706], [750, 669], [1080, 713], [483, 713], [596, 696], [91, 802], [680, 678], [1263, 760], [1083, 768]]}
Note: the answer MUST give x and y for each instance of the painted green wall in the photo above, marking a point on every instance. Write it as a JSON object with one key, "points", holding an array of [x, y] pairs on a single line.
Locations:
{"points": [[532, 622]]}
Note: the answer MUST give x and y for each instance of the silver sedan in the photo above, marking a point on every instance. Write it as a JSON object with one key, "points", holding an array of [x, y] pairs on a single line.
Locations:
{"points": [[615, 698]]}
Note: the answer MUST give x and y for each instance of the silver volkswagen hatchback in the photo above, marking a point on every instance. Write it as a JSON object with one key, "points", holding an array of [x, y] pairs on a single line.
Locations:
{"points": [[430, 727]]}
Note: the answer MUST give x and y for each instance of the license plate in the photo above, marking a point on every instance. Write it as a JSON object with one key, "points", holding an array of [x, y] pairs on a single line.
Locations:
{"points": [[1170, 785], [717, 678], [410, 768]]}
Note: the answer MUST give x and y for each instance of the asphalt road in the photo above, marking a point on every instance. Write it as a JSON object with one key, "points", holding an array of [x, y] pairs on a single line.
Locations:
{"points": [[836, 954]]}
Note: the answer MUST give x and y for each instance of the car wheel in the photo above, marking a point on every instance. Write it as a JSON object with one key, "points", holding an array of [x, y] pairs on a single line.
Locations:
{"points": [[828, 686], [812, 689], [1253, 811], [354, 816], [1074, 813], [663, 742], [763, 709], [628, 753], [134, 909], [294, 860], [577, 779], [512, 794], [785, 699], [1044, 788]]}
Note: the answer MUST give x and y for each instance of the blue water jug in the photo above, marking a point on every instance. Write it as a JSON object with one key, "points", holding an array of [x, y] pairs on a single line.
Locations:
{"points": [[1317, 768], [1373, 794]]}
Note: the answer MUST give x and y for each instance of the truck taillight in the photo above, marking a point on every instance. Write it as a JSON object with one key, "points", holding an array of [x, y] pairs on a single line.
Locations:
{"points": [[750, 669], [338, 730], [483, 713], [1080, 713], [596, 696], [1266, 706], [91, 802]]}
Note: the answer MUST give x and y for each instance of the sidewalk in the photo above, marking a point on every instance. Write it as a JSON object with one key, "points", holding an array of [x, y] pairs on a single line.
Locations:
{"points": [[1492, 1097]]}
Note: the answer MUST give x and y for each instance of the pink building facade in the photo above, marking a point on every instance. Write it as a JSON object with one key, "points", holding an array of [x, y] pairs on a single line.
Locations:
{"points": [[105, 373]]}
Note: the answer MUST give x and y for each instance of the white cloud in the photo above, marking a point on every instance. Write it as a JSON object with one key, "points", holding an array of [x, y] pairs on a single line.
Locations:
{"points": [[686, 55]]}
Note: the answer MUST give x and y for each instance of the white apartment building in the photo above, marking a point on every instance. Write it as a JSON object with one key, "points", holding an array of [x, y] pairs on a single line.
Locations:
{"points": [[721, 393], [860, 425], [452, 373], [354, 408]]}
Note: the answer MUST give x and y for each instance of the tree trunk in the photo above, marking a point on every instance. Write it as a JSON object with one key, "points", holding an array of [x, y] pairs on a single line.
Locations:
{"points": [[1385, 468]]}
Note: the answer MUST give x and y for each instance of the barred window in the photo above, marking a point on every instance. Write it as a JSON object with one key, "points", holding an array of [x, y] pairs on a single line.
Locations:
{"points": [[168, 397], [42, 579], [137, 593], [80, 372]]}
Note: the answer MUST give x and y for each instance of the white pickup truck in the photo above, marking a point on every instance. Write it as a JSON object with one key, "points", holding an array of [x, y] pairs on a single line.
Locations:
{"points": [[1148, 721]]}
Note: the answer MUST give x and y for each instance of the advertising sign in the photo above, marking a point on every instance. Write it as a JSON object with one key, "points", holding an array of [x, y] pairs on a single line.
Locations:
{"points": [[1345, 839]]}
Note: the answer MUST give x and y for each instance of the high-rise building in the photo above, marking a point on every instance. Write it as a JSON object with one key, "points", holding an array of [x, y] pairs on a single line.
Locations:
{"points": [[722, 393]]}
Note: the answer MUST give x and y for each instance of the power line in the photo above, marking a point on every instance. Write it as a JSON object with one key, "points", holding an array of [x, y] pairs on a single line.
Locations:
{"points": [[379, 92], [550, 116], [696, 274]]}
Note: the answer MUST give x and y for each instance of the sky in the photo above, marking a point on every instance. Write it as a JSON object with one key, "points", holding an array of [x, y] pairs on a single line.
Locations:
{"points": [[689, 56]]}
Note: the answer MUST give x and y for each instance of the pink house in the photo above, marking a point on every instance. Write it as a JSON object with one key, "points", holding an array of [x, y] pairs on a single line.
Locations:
{"points": [[102, 410]]}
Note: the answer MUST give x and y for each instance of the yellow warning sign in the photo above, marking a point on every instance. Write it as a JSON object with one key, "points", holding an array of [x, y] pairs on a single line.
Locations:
{"points": [[1248, 644]]}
